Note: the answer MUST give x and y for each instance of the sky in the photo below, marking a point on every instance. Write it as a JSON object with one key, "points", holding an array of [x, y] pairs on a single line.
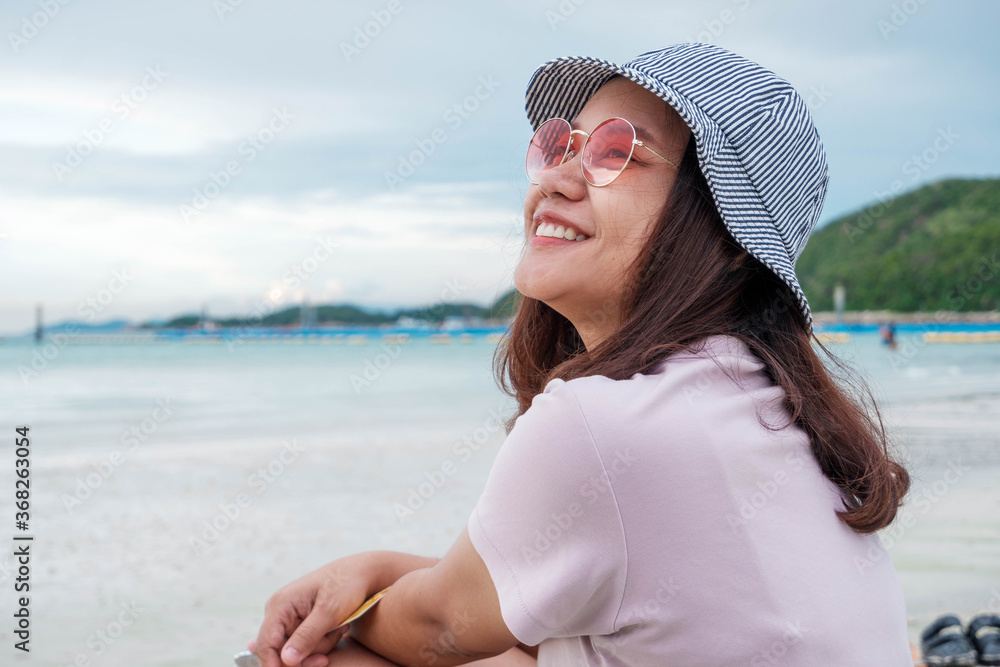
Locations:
{"points": [[240, 156]]}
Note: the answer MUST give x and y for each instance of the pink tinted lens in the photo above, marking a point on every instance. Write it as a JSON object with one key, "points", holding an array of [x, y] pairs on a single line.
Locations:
{"points": [[608, 151], [547, 147]]}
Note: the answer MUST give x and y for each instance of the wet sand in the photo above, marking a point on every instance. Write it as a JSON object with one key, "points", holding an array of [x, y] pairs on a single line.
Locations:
{"points": [[118, 580]]}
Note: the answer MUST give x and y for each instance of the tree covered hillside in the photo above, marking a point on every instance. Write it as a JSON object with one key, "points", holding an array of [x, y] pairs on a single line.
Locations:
{"points": [[935, 248]]}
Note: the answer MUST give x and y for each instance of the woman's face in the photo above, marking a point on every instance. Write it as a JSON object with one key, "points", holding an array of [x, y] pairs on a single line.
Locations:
{"points": [[583, 280]]}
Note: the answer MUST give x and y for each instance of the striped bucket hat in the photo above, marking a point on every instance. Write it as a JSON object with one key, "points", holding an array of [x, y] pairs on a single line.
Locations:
{"points": [[757, 145]]}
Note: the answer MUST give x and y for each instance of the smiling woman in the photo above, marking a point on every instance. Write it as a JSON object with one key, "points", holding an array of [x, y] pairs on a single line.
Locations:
{"points": [[685, 482]]}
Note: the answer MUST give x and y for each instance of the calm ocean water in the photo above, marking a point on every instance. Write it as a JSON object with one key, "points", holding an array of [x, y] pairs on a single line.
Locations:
{"points": [[87, 396]]}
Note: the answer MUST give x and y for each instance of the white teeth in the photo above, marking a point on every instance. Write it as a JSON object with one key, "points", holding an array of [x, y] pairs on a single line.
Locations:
{"points": [[560, 232]]}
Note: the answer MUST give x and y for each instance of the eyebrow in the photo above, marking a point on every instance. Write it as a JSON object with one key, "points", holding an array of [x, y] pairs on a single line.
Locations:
{"points": [[642, 134]]}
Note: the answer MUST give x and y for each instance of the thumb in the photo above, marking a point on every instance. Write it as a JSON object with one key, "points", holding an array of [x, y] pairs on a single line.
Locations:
{"points": [[309, 633]]}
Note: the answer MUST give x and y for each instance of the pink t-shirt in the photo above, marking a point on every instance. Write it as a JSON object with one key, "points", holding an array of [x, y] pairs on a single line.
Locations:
{"points": [[653, 521]]}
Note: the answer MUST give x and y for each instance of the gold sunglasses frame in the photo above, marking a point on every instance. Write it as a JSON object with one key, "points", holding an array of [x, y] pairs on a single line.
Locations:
{"points": [[635, 142]]}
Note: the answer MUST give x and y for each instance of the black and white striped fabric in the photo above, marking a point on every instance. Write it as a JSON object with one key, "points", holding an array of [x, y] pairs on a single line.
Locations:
{"points": [[757, 145]]}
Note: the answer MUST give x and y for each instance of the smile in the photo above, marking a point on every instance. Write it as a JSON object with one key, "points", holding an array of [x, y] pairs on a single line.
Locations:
{"points": [[554, 231]]}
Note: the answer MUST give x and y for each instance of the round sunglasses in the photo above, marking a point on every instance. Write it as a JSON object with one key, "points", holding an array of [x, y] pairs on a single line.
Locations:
{"points": [[606, 151]]}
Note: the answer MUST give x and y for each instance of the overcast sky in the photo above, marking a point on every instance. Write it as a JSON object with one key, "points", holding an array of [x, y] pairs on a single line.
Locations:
{"points": [[160, 156]]}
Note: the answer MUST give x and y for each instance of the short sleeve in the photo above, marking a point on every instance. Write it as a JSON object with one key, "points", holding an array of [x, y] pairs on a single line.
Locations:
{"points": [[547, 525]]}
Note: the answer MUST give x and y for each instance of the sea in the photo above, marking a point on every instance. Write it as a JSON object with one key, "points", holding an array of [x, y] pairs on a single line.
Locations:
{"points": [[349, 389]]}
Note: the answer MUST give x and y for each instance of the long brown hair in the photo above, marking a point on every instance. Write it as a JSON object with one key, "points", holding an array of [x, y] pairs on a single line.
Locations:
{"points": [[692, 280]]}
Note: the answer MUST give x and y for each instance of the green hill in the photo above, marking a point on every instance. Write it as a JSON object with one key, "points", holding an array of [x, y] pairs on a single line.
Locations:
{"points": [[506, 305], [502, 308], [935, 248]]}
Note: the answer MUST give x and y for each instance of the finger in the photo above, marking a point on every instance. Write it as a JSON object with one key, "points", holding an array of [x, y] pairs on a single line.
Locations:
{"points": [[252, 645], [343, 644], [322, 654], [309, 633], [329, 641], [269, 641], [269, 657], [316, 660]]}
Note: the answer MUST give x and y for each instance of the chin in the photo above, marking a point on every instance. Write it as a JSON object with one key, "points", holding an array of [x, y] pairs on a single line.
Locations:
{"points": [[533, 289], [526, 290]]}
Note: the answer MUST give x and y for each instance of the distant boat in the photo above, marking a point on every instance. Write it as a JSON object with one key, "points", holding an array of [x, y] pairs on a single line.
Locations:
{"points": [[396, 339], [833, 337], [962, 337], [440, 338]]}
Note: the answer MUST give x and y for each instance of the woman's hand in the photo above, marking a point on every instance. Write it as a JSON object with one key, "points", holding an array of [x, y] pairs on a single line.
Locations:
{"points": [[299, 618]]}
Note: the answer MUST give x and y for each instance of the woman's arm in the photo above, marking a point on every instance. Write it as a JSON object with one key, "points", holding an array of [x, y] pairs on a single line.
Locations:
{"points": [[530, 650], [446, 614], [300, 614], [440, 613], [387, 567]]}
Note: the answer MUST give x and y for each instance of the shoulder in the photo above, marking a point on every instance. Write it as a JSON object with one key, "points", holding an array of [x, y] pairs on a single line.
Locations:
{"points": [[555, 407], [720, 364], [553, 431], [696, 389]]}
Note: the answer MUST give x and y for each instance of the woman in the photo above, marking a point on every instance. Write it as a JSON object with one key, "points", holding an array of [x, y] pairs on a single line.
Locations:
{"points": [[684, 483]]}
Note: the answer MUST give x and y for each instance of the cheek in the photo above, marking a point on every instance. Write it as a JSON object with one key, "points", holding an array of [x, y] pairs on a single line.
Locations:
{"points": [[625, 216], [637, 211], [530, 202]]}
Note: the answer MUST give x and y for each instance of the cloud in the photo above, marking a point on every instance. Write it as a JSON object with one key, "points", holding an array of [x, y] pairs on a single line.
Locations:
{"points": [[356, 119], [388, 249], [168, 115]]}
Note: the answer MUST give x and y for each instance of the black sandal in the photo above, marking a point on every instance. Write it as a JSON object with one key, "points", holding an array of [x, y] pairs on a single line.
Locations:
{"points": [[945, 644], [984, 635]]}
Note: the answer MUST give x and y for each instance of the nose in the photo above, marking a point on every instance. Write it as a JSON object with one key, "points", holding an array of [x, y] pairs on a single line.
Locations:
{"points": [[566, 178]]}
